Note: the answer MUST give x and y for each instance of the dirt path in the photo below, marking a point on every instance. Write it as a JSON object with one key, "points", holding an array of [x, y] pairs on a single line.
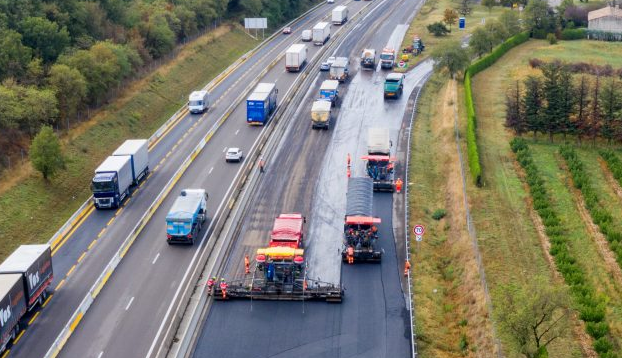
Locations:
{"points": [[470, 293], [578, 326]]}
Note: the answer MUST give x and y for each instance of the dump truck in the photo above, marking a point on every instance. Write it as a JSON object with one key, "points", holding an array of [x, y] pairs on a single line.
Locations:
{"points": [[295, 57], [368, 58], [186, 217], [261, 103], [360, 226], [339, 69], [198, 102], [380, 165], [321, 33], [34, 264], [329, 91], [138, 150], [340, 15], [280, 270], [321, 114], [112, 181], [387, 58]]}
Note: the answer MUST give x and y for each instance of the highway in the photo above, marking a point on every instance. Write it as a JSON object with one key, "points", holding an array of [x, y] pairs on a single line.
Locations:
{"points": [[308, 175], [127, 314], [80, 256]]}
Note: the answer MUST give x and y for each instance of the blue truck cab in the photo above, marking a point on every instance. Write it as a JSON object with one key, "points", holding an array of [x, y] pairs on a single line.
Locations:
{"points": [[329, 91], [186, 216], [111, 182], [261, 103]]}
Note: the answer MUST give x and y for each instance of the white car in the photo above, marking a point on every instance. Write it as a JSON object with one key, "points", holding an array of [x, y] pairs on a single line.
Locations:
{"points": [[330, 1], [233, 155]]}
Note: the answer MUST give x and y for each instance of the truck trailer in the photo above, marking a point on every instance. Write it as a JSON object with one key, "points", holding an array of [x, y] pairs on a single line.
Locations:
{"points": [[387, 58], [186, 217], [12, 308], [380, 165], [321, 114], [112, 181], [339, 69], [198, 102], [295, 57], [340, 15], [329, 91], [261, 104], [360, 227], [138, 150], [321, 33], [280, 270], [368, 58], [34, 263]]}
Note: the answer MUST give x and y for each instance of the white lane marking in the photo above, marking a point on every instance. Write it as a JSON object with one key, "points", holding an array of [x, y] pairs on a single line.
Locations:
{"points": [[100, 354], [210, 171], [155, 259], [224, 150], [236, 132], [129, 303]]}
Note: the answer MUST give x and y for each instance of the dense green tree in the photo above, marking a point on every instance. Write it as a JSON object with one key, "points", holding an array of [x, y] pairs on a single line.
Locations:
{"points": [[70, 88], [579, 116], [481, 41], [451, 57], [40, 108], [551, 92], [46, 154], [489, 4], [159, 38], [595, 116], [515, 113], [438, 29], [10, 109], [14, 57], [207, 11], [568, 101], [187, 22], [34, 73], [611, 105], [498, 32], [539, 18], [44, 37], [465, 8], [510, 20], [533, 104]]}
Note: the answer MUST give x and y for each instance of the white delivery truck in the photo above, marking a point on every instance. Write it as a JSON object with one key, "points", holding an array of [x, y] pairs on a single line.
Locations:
{"points": [[307, 35], [295, 57], [378, 141], [138, 150], [321, 114], [321, 33], [340, 15], [198, 101]]}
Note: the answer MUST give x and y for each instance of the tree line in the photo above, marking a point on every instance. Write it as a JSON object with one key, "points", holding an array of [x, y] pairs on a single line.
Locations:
{"points": [[558, 103], [61, 56]]}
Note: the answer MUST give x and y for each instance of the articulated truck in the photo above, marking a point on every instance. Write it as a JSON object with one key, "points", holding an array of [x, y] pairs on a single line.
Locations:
{"points": [[24, 279], [113, 179], [261, 104], [186, 217]]}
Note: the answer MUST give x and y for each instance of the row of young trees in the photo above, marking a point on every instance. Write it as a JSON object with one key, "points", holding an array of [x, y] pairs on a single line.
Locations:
{"points": [[558, 103], [60, 56]]}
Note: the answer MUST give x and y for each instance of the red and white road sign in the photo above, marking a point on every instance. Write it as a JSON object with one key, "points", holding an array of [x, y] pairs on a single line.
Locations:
{"points": [[418, 230]]}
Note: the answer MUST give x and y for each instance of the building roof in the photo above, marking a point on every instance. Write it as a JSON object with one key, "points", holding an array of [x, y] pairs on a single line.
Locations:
{"points": [[606, 11]]}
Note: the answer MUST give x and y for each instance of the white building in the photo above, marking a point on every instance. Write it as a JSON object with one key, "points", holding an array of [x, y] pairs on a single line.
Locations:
{"points": [[607, 19]]}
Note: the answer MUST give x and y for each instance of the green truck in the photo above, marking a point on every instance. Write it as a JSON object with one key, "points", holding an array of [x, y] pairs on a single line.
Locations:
{"points": [[394, 85]]}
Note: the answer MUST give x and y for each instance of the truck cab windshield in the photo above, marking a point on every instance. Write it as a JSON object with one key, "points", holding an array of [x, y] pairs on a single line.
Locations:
{"points": [[196, 103], [386, 56], [102, 186]]}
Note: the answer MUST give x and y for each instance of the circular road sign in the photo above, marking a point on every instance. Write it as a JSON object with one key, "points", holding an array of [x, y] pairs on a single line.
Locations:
{"points": [[418, 229], [401, 64]]}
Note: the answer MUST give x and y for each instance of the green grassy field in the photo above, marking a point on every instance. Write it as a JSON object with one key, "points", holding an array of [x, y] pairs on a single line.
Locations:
{"points": [[33, 209]]}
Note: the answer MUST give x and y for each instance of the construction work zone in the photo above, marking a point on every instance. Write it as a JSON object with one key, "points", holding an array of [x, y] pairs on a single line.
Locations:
{"points": [[360, 227], [380, 165], [280, 271]]}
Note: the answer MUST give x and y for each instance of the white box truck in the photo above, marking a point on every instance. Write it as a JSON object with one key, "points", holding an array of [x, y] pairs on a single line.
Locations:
{"points": [[138, 150], [295, 57], [198, 102], [321, 33], [321, 114], [340, 15], [378, 141], [307, 35], [112, 181], [339, 69]]}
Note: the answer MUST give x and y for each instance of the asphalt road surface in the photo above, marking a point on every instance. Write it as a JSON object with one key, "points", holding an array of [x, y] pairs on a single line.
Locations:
{"points": [[125, 318], [308, 175]]}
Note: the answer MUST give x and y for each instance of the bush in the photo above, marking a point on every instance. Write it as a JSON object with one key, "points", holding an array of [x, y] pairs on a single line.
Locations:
{"points": [[602, 345], [597, 329], [439, 214], [573, 34], [438, 29], [551, 39]]}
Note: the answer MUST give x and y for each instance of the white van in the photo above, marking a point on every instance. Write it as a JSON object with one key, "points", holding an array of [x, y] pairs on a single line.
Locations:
{"points": [[198, 101], [307, 35]]}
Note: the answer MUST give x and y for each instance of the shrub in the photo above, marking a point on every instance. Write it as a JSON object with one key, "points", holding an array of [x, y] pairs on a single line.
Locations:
{"points": [[573, 34], [597, 329], [602, 345], [439, 214], [551, 39]]}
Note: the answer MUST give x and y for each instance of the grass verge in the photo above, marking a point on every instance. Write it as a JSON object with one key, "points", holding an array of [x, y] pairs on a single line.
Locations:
{"points": [[33, 209]]}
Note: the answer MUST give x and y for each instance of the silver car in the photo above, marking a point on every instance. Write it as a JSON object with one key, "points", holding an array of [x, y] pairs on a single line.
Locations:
{"points": [[233, 155], [325, 66]]}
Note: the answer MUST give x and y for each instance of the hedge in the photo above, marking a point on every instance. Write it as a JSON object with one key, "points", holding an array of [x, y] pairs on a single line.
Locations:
{"points": [[478, 66], [590, 305], [598, 212], [574, 34]]}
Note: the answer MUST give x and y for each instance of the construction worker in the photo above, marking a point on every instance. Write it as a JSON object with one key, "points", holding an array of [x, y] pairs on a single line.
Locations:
{"points": [[348, 159], [247, 265], [406, 268], [223, 288], [398, 185], [349, 172], [261, 165], [210, 284], [374, 231], [350, 255]]}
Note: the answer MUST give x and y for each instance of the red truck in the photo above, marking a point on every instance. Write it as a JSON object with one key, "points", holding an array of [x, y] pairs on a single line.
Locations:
{"points": [[287, 231]]}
